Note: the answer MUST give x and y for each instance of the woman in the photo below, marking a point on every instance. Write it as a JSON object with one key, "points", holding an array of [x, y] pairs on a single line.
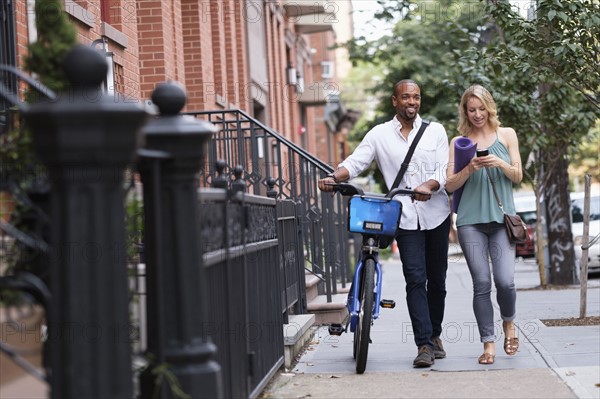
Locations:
{"points": [[480, 224]]}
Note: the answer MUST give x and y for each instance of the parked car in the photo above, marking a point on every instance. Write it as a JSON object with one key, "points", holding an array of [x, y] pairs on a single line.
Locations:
{"points": [[525, 207], [577, 208]]}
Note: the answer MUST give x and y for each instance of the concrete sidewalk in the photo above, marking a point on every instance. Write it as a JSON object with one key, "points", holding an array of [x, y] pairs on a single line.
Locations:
{"points": [[552, 362]]}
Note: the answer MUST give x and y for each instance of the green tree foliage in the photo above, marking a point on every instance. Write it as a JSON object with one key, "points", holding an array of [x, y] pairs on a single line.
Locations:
{"points": [[420, 47], [560, 41], [423, 36], [556, 50], [543, 73], [560, 78], [56, 36], [19, 165], [585, 158], [448, 45]]}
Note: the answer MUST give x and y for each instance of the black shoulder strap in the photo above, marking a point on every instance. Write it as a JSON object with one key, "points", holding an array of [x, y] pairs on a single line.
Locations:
{"points": [[409, 154]]}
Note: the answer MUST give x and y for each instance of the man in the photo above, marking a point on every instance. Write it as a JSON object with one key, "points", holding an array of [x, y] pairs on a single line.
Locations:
{"points": [[425, 223]]}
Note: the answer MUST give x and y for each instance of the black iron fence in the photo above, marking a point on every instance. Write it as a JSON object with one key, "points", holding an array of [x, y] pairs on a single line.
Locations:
{"points": [[291, 270], [241, 265], [269, 161], [221, 268]]}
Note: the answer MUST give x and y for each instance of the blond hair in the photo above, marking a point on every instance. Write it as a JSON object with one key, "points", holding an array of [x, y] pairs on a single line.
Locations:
{"points": [[481, 93]]}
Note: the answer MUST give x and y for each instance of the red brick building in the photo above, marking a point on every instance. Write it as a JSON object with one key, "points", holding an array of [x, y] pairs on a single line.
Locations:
{"points": [[269, 58], [273, 59]]}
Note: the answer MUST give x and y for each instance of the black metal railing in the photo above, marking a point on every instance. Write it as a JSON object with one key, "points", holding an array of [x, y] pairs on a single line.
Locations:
{"points": [[222, 268], [242, 271], [267, 157], [290, 259]]}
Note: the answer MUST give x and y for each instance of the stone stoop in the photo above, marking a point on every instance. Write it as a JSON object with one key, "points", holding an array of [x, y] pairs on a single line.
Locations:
{"points": [[312, 286], [296, 333], [24, 336], [329, 312], [300, 329], [25, 387], [343, 290], [326, 313]]}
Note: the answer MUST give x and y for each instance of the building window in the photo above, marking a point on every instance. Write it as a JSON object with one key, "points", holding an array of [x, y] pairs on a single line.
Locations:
{"points": [[119, 77], [327, 69]]}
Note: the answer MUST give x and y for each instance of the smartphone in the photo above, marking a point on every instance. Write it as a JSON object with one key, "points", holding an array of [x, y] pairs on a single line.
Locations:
{"points": [[482, 153]]}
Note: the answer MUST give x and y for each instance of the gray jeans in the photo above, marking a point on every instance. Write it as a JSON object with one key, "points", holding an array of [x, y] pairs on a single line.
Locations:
{"points": [[480, 244]]}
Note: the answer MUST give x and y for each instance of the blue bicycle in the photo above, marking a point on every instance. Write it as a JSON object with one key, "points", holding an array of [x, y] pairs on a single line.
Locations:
{"points": [[377, 218]]}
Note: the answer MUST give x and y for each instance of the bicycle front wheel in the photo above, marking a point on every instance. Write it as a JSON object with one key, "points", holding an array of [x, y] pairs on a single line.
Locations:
{"points": [[365, 319]]}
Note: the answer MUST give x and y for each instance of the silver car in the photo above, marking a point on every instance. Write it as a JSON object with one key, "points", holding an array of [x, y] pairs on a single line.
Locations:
{"points": [[577, 207]]}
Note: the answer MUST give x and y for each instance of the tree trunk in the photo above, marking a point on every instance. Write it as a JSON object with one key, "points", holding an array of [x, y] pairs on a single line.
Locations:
{"points": [[539, 228], [560, 237]]}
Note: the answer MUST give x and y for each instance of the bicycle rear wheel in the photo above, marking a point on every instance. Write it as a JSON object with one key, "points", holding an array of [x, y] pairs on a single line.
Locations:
{"points": [[365, 319]]}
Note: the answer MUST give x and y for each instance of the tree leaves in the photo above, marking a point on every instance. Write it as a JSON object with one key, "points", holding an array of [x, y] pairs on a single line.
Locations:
{"points": [[495, 45], [56, 36], [562, 41]]}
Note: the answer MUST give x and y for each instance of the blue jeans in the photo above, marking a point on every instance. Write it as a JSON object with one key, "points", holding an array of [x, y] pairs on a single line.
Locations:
{"points": [[424, 256]]}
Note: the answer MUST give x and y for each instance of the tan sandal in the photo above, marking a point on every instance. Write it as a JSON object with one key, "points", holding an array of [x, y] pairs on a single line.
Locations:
{"points": [[511, 345], [486, 358]]}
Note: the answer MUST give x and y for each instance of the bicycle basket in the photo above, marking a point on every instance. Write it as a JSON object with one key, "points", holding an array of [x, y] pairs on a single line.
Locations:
{"points": [[370, 215]]}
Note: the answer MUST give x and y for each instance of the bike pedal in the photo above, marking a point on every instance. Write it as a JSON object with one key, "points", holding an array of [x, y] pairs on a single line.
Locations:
{"points": [[336, 329], [387, 303]]}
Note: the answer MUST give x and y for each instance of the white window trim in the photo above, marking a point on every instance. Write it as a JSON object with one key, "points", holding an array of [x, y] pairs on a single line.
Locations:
{"points": [[327, 69]]}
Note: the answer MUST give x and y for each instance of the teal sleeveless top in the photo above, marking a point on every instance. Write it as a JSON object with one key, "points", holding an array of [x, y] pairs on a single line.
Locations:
{"points": [[478, 203]]}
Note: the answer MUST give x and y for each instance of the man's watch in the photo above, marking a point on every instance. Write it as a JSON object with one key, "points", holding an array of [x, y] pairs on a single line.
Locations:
{"points": [[332, 175]]}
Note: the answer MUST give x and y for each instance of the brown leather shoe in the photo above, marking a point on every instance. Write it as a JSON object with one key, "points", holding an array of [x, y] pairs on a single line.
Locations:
{"points": [[425, 357], [438, 348]]}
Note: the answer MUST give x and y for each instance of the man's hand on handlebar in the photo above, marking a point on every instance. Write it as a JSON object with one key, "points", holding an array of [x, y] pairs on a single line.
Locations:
{"points": [[423, 192], [421, 195], [325, 184], [339, 175]]}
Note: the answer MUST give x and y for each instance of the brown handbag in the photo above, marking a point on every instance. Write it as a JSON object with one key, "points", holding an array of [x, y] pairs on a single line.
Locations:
{"points": [[515, 227]]}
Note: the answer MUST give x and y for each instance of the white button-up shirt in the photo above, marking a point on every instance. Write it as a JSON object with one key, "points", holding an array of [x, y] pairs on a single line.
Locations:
{"points": [[388, 147]]}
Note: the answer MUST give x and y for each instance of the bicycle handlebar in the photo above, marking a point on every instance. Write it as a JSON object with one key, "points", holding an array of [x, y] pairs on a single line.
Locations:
{"points": [[401, 191], [346, 188], [350, 189]]}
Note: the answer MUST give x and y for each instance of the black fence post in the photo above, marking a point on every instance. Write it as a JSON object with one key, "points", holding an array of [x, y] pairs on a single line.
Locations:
{"points": [[271, 192], [219, 180], [175, 296], [86, 138], [238, 184]]}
